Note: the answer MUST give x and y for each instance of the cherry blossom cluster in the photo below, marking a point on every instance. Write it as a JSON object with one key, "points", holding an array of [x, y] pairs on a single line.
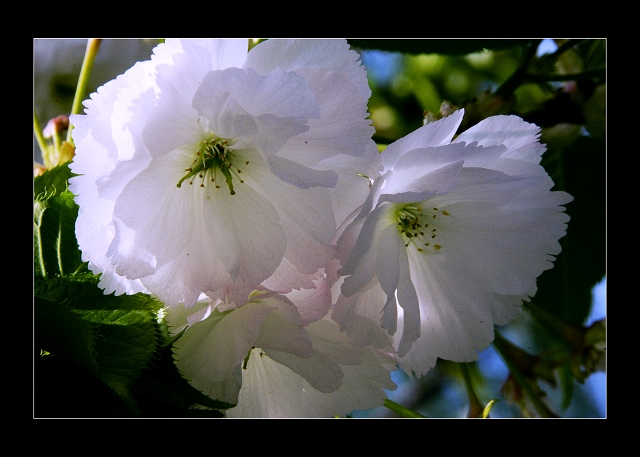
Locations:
{"points": [[298, 264]]}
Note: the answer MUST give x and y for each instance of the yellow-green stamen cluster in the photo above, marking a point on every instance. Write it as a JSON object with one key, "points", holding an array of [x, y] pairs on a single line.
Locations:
{"points": [[213, 154], [417, 226]]}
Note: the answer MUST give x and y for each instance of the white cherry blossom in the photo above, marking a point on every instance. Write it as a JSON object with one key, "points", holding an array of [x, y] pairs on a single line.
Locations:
{"points": [[450, 240], [278, 355], [209, 165]]}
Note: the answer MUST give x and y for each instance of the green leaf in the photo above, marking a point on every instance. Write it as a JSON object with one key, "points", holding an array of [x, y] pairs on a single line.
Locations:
{"points": [[62, 389], [53, 181], [58, 330], [164, 391], [67, 290], [122, 389], [128, 340], [123, 349], [437, 46], [126, 334], [403, 411], [567, 382], [594, 53], [56, 250], [565, 290]]}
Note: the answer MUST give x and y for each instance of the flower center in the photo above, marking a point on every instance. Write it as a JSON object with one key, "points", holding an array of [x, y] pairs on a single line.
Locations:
{"points": [[417, 226], [213, 155]]}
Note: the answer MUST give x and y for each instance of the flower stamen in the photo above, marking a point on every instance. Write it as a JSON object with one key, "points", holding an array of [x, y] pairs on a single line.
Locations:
{"points": [[213, 154], [413, 226]]}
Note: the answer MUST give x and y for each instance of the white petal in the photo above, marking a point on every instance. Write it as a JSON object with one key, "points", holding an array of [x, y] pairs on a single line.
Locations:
{"points": [[403, 188], [519, 137], [407, 299], [512, 247], [313, 302], [320, 372], [272, 389], [282, 329], [343, 126], [436, 133], [266, 390], [173, 124], [193, 239], [450, 328], [224, 53], [354, 179], [300, 55], [233, 295], [361, 263], [209, 352], [300, 175], [284, 95], [359, 316], [185, 66], [103, 177], [388, 260], [179, 317], [306, 216], [287, 278]]}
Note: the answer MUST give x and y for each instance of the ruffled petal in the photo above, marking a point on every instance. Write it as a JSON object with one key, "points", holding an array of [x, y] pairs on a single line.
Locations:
{"points": [[282, 329], [430, 135], [105, 171], [209, 352], [355, 175], [306, 216], [278, 386], [312, 302], [359, 316], [520, 138], [362, 264], [267, 109], [343, 126], [309, 55], [224, 53]]}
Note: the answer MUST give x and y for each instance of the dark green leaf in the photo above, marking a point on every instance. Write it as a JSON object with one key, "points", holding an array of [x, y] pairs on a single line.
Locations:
{"points": [[594, 54], [56, 250], [58, 330], [565, 290], [436, 46], [62, 389], [124, 351], [403, 411], [164, 391], [568, 383], [52, 182], [74, 289], [128, 335], [125, 328]]}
